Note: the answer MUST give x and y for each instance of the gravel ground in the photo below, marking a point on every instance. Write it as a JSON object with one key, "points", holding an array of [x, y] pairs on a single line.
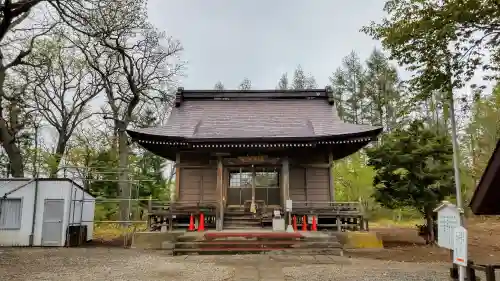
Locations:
{"points": [[121, 264]]}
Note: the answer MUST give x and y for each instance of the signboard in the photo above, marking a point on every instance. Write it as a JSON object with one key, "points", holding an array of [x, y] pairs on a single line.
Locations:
{"points": [[258, 158], [460, 246], [448, 220], [252, 159], [288, 205]]}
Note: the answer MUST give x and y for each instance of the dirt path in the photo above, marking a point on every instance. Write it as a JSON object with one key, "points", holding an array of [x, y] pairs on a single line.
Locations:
{"points": [[120, 264], [403, 244]]}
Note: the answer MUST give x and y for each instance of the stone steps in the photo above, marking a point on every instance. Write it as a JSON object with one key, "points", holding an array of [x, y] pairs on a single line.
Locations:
{"points": [[241, 220], [255, 242]]}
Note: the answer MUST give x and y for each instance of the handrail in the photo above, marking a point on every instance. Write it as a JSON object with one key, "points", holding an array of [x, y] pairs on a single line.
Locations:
{"points": [[488, 269]]}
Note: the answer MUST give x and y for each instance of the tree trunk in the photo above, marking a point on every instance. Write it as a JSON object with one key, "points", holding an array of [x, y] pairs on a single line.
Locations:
{"points": [[123, 181], [12, 150], [430, 227], [60, 149]]}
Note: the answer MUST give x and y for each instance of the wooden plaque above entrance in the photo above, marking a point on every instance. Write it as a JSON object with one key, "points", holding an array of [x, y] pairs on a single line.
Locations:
{"points": [[248, 160]]}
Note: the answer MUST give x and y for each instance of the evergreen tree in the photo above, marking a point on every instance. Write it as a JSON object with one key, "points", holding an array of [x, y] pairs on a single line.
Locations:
{"points": [[381, 90], [413, 168], [348, 84], [302, 81]]}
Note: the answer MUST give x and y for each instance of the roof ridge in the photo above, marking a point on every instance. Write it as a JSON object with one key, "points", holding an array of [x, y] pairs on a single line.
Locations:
{"points": [[250, 95]]}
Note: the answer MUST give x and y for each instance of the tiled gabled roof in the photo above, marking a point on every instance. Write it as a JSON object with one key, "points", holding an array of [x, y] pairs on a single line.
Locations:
{"points": [[255, 114]]}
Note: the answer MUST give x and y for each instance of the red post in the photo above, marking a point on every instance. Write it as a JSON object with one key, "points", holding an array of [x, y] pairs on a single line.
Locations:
{"points": [[294, 223], [314, 227], [191, 223], [201, 223], [304, 223]]}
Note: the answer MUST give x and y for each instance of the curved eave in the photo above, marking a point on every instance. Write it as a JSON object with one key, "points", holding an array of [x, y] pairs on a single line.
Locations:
{"points": [[183, 141], [346, 144]]}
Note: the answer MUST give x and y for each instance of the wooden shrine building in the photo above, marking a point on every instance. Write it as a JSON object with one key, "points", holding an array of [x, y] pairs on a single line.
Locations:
{"points": [[247, 152]]}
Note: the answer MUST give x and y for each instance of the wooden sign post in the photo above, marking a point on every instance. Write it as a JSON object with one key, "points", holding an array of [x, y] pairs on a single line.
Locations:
{"points": [[448, 221]]}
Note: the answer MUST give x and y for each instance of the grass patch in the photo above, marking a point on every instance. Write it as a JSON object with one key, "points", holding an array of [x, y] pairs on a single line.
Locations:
{"points": [[111, 231], [387, 223]]}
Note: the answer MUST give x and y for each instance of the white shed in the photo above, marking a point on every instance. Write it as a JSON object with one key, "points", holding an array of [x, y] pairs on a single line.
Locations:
{"points": [[38, 212]]}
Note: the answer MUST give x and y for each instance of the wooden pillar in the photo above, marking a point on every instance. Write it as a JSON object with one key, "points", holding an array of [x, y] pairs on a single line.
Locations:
{"points": [[285, 170], [331, 180], [174, 196], [220, 192], [252, 205]]}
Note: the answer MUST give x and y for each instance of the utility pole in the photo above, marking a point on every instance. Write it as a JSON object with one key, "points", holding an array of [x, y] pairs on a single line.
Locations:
{"points": [[35, 160], [456, 168]]}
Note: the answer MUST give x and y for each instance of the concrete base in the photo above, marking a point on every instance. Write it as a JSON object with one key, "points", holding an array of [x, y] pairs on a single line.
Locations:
{"points": [[360, 240]]}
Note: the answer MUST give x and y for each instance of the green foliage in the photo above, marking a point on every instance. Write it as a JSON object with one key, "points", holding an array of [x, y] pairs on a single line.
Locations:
{"points": [[368, 92], [413, 168], [353, 178], [419, 34], [480, 139], [301, 80]]}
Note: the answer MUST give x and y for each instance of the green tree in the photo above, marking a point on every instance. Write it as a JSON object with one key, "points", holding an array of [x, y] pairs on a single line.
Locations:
{"points": [[381, 90], [439, 39], [413, 169], [301, 80], [482, 134], [353, 180], [348, 83]]}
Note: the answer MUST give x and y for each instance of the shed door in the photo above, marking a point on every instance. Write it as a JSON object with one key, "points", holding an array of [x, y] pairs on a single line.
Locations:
{"points": [[52, 227]]}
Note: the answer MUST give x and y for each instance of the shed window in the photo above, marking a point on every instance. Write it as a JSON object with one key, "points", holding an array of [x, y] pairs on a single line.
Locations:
{"points": [[10, 213]]}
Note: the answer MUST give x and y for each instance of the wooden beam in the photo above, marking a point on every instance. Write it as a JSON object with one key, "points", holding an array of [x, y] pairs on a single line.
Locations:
{"points": [[175, 196], [220, 192], [285, 170], [306, 180], [252, 206], [225, 186], [314, 165], [331, 180]]}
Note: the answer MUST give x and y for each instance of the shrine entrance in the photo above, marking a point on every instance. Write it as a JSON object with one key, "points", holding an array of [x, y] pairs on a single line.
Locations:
{"points": [[260, 182]]}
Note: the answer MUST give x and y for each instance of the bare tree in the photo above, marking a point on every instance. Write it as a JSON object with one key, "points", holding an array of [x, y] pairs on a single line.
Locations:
{"points": [[245, 85], [64, 86], [136, 62], [17, 39], [283, 83], [219, 86]]}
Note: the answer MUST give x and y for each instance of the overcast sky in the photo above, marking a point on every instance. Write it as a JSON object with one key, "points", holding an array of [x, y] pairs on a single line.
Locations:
{"points": [[228, 40]]}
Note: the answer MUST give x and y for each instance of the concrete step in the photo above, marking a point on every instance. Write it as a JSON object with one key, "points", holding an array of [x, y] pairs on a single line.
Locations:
{"points": [[306, 252], [256, 234], [242, 243], [242, 227], [242, 217], [243, 223]]}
